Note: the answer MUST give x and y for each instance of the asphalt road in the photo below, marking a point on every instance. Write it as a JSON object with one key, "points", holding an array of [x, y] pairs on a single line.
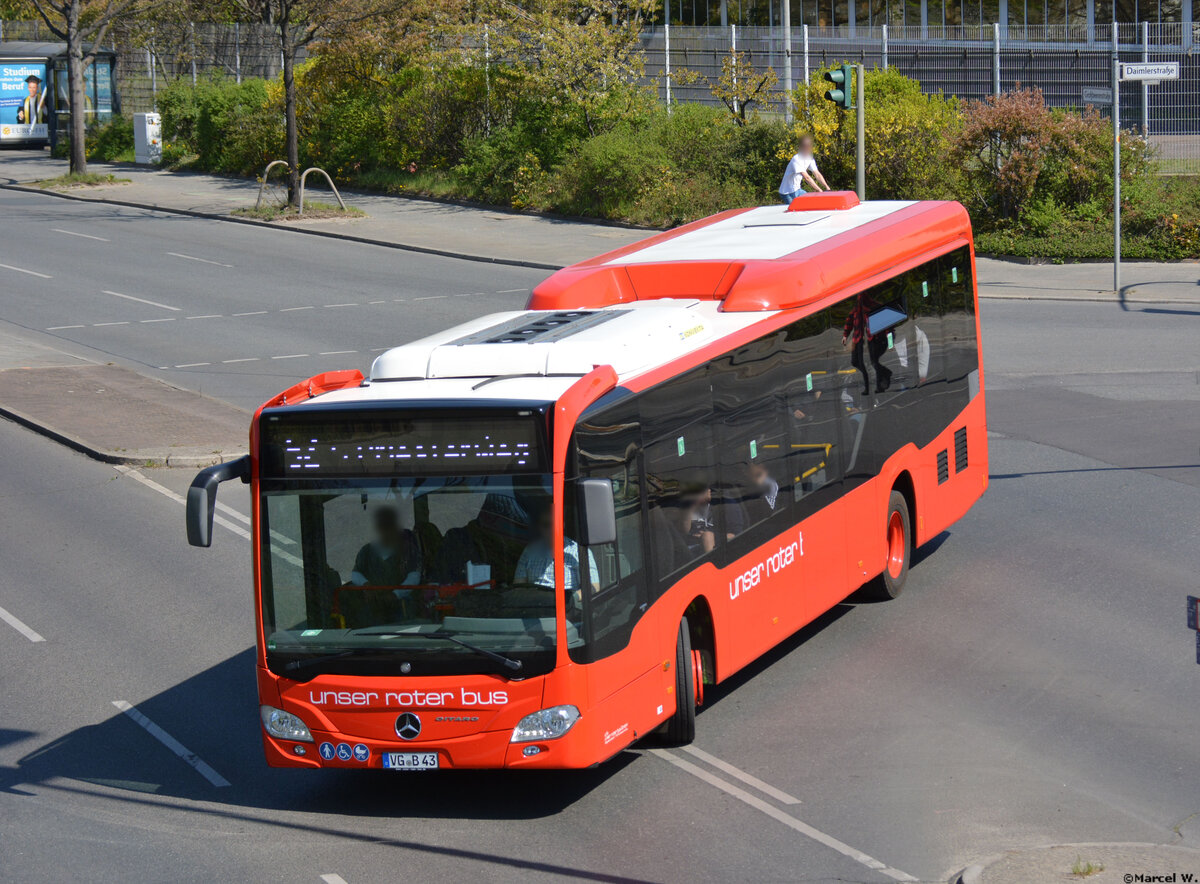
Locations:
{"points": [[1035, 684], [231, 310]]}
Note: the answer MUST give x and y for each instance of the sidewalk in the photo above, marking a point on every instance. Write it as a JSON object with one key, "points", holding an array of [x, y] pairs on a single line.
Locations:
{"points": [[1094, 863], [532, 240]]}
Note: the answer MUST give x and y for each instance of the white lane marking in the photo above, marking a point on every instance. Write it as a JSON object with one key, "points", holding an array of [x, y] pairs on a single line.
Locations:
{"points": [[19, 626], [30, 272], [509, 291], [243, 359], [724, 766], [102, 324], [201, 260], [341, 305], [206, 316], [142, 301], [167, 492], [336, 352], [376, 302], [291, 356], [61, 327], [188, 757], [193, 364], [290, 309], [164, 319], [83, 235], [787, 819], [431, 298], [252, 313], [331, 878]]}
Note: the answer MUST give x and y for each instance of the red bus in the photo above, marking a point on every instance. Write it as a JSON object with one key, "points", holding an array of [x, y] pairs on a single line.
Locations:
{"points": [[535, 538]]}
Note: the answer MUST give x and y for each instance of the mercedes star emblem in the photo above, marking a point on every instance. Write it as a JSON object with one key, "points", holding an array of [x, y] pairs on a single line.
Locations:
{"points": [[408, 726]]}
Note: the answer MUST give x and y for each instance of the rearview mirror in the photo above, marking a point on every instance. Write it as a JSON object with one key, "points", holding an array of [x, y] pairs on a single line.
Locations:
{"points": [[202, 497], [597, 513]]}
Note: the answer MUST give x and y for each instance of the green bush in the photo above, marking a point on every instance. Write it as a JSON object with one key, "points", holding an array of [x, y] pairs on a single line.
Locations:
{"points": [[111, 141], [230, 127]]}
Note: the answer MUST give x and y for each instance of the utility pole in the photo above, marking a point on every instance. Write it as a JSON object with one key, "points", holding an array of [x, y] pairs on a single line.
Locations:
{"points": [[786, 7], [860, 131], [1116, 118]]}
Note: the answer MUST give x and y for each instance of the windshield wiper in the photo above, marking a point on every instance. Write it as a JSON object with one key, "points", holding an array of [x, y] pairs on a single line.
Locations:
{"points": [[309, 662], [508, 662]]}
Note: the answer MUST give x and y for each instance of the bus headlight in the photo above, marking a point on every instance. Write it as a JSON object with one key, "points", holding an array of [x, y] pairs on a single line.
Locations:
{"points": [[284, 726], [547, 724]]}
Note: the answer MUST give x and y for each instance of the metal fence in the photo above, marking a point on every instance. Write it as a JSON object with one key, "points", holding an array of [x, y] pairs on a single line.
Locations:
{"points": [[148, 57], [969, 62]]}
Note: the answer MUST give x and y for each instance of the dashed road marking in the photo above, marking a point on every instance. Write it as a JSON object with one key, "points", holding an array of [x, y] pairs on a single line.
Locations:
{"points": [[243, 359], [331, 878], [341, 305], [193, 364], [142, 301], [431, 298], [201, 260], [509, 291], [167, 492], [787, 819], [291, 356], [102, 324], [206, 316], [336, 352], [19, 626], [164, 319], [61, 327], [188, 757], [252, 313], [30, 272], [81, 235], [290, 309]]}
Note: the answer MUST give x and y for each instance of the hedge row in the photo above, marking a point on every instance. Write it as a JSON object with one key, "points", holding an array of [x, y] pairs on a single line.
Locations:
{"points": [[1037, 181]]}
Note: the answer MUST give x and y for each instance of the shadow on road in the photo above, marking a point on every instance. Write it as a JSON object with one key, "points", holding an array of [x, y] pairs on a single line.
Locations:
{"points": [[215, 715]]}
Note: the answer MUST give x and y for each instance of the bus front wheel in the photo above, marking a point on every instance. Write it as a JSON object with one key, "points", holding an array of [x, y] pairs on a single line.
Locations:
{"points": [[898, 537], [681, 727]]}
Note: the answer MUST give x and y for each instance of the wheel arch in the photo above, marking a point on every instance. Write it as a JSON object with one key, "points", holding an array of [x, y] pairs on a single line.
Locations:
{"points": [[702, 631], [905, 485]]}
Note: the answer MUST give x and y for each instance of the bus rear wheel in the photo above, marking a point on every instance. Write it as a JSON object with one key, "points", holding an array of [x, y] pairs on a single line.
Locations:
{"points": [[681, 727], [898, 538]]}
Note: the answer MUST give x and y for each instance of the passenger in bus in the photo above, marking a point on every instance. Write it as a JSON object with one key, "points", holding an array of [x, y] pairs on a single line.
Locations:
{"points": [[763, 493], [489, 543], [702, 532], [392, 559], [536, 565]]}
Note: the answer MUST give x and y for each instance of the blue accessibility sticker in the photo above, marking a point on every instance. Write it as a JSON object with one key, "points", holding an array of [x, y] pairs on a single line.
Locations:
{"points": [[344, 752], [327, 751], [361, 752]]}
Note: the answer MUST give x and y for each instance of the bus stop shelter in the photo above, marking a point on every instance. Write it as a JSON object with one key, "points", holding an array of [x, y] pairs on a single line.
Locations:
{"points": [[34, 97]]}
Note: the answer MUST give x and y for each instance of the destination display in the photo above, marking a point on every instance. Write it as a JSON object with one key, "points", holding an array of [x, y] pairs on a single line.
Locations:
{"points": [[351, 444]]}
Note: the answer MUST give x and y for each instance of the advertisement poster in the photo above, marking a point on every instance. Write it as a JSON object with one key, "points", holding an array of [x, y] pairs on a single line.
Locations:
{"points": [[24, 103]]}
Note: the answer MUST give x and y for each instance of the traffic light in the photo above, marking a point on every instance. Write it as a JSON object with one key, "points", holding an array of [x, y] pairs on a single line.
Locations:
{"points": [[841, 79]]}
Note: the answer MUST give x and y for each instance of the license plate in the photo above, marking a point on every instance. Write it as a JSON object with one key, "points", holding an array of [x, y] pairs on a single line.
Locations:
{"points": [[410, 760]]}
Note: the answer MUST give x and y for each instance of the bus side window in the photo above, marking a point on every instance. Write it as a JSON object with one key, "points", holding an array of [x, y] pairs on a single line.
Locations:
{"points": [[958, 312], [918, 342]]}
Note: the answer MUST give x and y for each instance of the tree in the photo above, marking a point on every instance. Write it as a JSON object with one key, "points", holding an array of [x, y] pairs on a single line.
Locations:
{"points": [[577, 53], [80, 22], [299, 24]]}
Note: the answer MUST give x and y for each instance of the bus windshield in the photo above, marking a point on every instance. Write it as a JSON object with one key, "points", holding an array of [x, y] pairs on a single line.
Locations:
{"points": [[402, 544]]}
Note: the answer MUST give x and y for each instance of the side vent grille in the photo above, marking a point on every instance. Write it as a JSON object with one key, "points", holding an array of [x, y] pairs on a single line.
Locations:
{"points": [[960, 449], [943, 466]]}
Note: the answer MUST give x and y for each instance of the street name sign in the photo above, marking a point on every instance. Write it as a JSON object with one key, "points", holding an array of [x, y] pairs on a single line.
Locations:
{"points": [[1097, 95], [1150, 70]]}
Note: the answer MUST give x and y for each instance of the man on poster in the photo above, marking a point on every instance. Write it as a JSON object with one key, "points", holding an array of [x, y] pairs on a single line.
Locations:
{"points": [[33, 107]]}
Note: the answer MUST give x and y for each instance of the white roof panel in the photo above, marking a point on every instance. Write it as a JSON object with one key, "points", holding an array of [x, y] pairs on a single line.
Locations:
{"points": [[768, 232]]}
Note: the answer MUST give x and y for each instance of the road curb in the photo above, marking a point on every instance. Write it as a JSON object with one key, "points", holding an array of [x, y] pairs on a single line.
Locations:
{"points": [[133, 460], [328, 234], [969, 875]]}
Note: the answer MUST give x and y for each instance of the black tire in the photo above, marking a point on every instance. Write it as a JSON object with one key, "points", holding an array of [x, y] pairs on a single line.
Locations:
{"points": [[681, 727], [891, 582]]}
